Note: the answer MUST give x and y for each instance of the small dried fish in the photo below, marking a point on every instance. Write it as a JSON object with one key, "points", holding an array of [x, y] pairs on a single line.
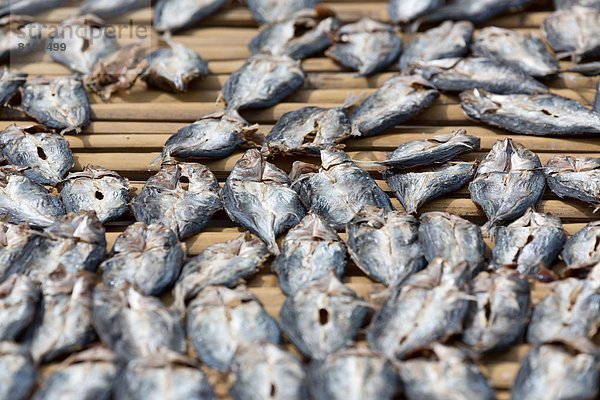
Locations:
{"points": [[163, 376], [460, 74], [309, 130], [574, 33], [111, 8], [175, 15], [449, 40], [117, 71], [591, 68], [221, 320], [23, 200], [323, 317], [15, 241], [443, 372], [558, 371], [10, 83], [45, 156], [19, 36], [338, 190], [569, 311], [530, 245], [224, 264], [265, 371], [367, 46], [172, 69], [60, 103], [183, 197], [405, 11], [147, 257], [566, 4], [306, 34], [398, 100], [27, 7], [453, 239], [523, 51], [311, 251], [415, 188], [500, 314], [270, 11], [86, 375], [476, 11], [17, 372], [576, 178], [543, 114], [263, 81], [430, 306], [136, 326], [582, 250], [385, 245], [353, 374], [96, 189], [63, 323], [509, 180], [257, 195], [215, 135], [80, 42], [18, 300]]}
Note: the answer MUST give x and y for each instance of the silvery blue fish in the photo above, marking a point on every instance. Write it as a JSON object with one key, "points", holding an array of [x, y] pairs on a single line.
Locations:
{"points": [[269, 11], [19, 298], [575, 178], [574, 33], [174, 15]]}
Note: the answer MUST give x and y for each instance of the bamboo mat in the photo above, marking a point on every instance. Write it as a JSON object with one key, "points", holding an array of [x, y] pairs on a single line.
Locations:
{"points": [[128, 132]]}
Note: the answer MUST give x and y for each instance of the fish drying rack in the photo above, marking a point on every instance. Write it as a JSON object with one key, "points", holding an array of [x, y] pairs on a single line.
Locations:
{"points": [[128, 133]]}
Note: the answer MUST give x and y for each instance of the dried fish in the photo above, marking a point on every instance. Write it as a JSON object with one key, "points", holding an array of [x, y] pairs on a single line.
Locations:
{"points": [[18, 300], [17, 372], [415, 188], [86, 375], [385, 245], [60, 103], [398, 100], [566, 4], [174, 15], [569, 311], [367, 46], [15, 241], [405, 11], [257, 195], [453, 239], [591, 68], [309, 130], [27, 7], [183, 197], [574, 33], [215, 135], [475, 10], [163, 376], [558, 371], [338, 190], [523, 51], [63, 322], [270, 11], [582, 250], [225, 263], [353, 374], [449, 40], [96, 189], [509, 180], [172, 69], [80, 42], [147, 257], [45, 156], [323, 317], [544, 114], [430, 306], [576, 178], [117, 71], [111, 8], [221, 320], [23, 200], [460, 74], [530, 245], [500, 314], [265, 371], [10, 83], [19, 36], [311, 251], [443, 372], [263, 81], [306, 34], [136, 326]]}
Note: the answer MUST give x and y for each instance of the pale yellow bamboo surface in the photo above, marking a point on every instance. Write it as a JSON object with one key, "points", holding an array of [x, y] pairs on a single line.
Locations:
{"points": [[128, 133]]}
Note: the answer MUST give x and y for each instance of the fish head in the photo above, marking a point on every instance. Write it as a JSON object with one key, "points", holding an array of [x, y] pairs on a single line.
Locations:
{"points": [[331, 157]]}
